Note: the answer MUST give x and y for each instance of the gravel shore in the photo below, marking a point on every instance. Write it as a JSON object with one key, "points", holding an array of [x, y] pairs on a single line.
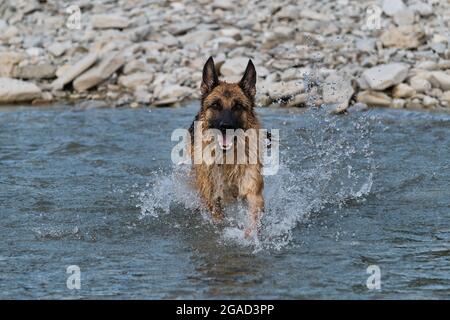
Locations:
{"points": [[139, 53]]}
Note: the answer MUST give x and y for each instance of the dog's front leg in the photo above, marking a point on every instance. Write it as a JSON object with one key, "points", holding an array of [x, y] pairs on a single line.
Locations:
{"points": [[256, 209], [215, 207]]}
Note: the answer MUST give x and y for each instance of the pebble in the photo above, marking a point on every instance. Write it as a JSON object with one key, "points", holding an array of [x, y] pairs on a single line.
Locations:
{"points": [[234, 67], [398, 103], [109, 21], [402, 90], [325, 48], [430, 102], [134, 80], [338, 90], [385, 76], [392, 7], [73, 71], [374, 98], [105, 68], [440, 79], [35, 71], [13, 90], [419, 84]]}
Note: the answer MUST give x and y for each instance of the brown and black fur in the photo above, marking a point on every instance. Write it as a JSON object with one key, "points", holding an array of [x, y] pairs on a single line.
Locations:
{"points": [[219, 184]]}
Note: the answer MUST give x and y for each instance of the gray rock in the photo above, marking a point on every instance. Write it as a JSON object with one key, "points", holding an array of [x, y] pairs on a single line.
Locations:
{"points": [[288, 12], [75, 70], [404, 17], [135, 80], [403, 37], [180, 28], [427, 65], [262, 100], [223, 4], [32, 41], [198, 37], [35, 71], [444, 64], [289, 74], [169, 40], [166, 102], [391, 7], [445, 97], [365, 44], [35, 51], [275, 36], [234, 67], [12, 90], [420, 84], [385, 76], [232, 33], [440, 79], [140, 33], [107, 66], [27, 7], [9, 33], [374, 98], [435, 92], [402, 90], [398, 103], [314, 15], [174, 91], [439, 47], [297, 101], [430, 102], [9, 60], [134, 66], [337, 90], [142, 95], [414, 104], [424, 9], [283, 90], [109, 21], [58, 48]]}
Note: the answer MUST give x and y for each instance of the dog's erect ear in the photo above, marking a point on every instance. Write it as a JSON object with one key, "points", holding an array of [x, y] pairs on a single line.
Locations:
{"points": [[210, 79], [248, 80]]}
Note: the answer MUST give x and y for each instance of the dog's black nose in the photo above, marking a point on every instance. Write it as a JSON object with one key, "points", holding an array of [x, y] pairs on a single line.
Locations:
{"points": [[224, 125]]}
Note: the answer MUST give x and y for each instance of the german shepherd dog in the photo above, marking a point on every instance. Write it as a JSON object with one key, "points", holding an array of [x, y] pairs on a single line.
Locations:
{"points": [[229, 106]]}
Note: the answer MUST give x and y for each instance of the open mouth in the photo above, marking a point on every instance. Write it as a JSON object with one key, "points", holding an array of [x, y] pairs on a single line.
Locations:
{"points": [[224, 142]]}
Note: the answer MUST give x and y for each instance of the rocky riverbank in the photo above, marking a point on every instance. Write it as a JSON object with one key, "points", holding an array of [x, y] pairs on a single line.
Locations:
{"points": [[392, 53]]}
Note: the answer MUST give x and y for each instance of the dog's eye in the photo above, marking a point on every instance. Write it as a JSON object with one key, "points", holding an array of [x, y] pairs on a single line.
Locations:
{"points": [[237, 107], [216, 106]]}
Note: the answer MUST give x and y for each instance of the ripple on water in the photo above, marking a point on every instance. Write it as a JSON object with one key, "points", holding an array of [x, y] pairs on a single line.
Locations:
{"points": [[362, 189]]}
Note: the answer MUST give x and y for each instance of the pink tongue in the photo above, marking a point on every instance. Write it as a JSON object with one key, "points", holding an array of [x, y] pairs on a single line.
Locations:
{"points": [[224, 140]]}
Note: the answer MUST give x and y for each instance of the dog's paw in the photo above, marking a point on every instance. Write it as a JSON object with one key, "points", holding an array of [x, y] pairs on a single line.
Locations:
{"points": [[250, 232], [217, 216]]}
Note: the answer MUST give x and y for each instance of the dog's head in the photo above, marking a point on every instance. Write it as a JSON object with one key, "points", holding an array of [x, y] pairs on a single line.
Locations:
{"points": [[228, 105]]}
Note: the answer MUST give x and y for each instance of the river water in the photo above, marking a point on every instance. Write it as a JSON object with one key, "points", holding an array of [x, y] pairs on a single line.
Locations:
{"points": [[96, 188]]}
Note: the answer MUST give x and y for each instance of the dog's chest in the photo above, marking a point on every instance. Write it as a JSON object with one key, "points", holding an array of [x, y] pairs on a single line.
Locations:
{"points": [[226, 181]]}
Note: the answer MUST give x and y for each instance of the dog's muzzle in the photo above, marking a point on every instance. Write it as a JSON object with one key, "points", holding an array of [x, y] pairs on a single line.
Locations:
{"points": [[225, 143]]}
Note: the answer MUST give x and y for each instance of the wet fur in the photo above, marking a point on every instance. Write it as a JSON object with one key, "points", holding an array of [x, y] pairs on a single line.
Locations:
{"points": [[220, 184]]}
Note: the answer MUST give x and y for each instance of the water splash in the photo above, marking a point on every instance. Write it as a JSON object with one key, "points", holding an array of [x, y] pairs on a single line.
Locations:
{"points": [[167, 190], [324, 161], [326, 164]]}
